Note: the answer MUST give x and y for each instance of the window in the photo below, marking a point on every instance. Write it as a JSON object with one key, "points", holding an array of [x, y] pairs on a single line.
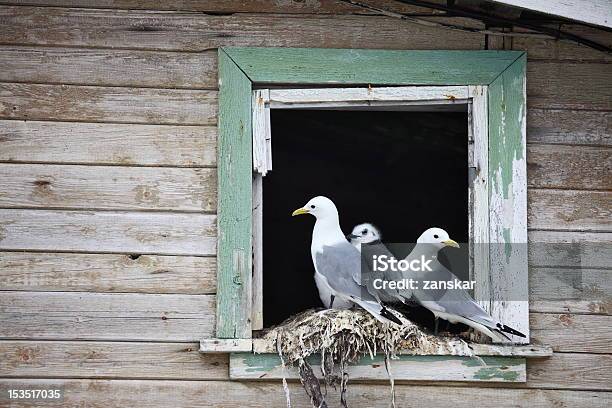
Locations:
{"points": [[490, 86]]}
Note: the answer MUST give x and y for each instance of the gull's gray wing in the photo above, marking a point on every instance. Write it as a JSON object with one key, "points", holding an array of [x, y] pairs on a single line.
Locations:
{"points": [[453, 301], [368, 251], [340, 264]]}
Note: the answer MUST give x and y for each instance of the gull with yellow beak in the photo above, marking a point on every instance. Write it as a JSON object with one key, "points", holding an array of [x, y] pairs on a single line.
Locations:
{"points": [[455, 305], [337, 263]]}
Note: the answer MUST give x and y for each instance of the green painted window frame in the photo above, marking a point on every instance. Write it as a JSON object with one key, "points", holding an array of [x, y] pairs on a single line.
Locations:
{"points": [[241, 70]]}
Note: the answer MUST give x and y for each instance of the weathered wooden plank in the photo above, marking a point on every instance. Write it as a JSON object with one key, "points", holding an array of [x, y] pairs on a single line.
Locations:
{"points": [[257, 282], [572, 371], [60, 359], [290, 98], [570, 210], [565, 85], [478, 161], [363, 66], [571, 290], [572, 332], [213, 346], [262, 136], [562, 370], [570, 249], [101, 104], [33, 141], [108, 187], [233, 6], [213, 394], [448, 347], [106, 316], [411, 368], [235, 207], [553, 49], [33, 271], [27, 101], [164, 30], [569, 167], [569, 127], [507, 178], [106, 143], [108, 231], [108, 67], [537, 48]]}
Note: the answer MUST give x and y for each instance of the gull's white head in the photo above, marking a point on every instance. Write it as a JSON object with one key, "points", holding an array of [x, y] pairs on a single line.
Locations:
{"points": [[321, 207], [365, 233], [437, 237]]}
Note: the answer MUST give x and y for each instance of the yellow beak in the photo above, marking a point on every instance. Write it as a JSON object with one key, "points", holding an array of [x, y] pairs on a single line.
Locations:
{"points": [[451, 243], [300, 211]]}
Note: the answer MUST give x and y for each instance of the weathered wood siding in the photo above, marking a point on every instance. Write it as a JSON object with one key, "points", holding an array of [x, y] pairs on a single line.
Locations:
{"points": [[108, 198]]}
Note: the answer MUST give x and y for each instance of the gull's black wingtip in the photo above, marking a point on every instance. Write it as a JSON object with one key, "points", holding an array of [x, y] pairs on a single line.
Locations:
{"points": [[388, 315], [510, 330]]}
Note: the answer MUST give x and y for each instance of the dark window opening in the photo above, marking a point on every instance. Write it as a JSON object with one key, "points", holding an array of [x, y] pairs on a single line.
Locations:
{"points": [[402, 171]]}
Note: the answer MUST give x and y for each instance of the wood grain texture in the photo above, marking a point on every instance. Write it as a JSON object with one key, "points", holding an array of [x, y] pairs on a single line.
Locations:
{"points": [[108, 231], [235, 167], [152, 145], [570, 249], [106, 316], [570, 210], [569, 167], [572, 127], [58, 359], [478, 193], [537, 48], [571, 290], [572, 371], [564, 85], [116, 144], [101, 104], [553, 49], [33, 271], [163, 30], [572, 332], [109, 67], [213, 394], [112, 187], [166, 106], [215, 346]]}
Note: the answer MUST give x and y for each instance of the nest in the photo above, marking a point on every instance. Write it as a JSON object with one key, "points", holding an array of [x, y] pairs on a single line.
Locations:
{"points": [[342, 337]]}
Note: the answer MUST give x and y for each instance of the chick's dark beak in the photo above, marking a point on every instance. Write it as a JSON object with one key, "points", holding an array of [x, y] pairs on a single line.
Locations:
{"points": [[351, 236]]}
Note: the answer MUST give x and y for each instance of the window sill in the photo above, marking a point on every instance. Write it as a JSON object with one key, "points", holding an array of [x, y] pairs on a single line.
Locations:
{"points": [[256, 359], [453, 348]]}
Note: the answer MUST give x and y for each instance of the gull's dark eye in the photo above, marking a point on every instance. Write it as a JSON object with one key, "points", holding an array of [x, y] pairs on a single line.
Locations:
{"points": [[365, 231], [312, 206], [436, 236]]}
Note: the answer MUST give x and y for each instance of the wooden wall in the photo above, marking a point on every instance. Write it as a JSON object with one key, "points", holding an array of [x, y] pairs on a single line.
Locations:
{"points": [[108, 198]]}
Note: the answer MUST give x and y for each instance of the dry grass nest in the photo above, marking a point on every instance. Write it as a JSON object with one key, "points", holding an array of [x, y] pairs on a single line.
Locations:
{"points": [[342, 337]]}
